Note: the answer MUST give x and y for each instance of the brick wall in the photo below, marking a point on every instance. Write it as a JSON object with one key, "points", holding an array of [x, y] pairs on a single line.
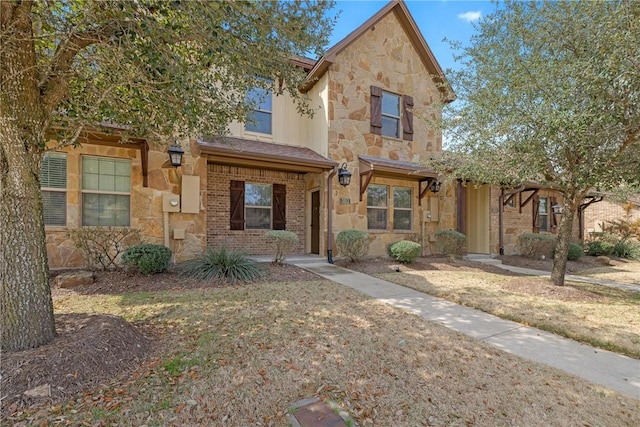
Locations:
{"points": [[251, 241], [603, 212]]}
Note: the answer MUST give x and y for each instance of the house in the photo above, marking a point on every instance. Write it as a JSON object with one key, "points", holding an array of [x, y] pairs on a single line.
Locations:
{"points": [[374, 93]]}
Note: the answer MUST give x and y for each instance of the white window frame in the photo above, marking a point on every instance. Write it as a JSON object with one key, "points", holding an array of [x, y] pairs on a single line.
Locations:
{"points": [[391, 116], [409, 209], [45, 190], [259, 99], [544, 214], [381, 208], [265, 207], [85, 192]]}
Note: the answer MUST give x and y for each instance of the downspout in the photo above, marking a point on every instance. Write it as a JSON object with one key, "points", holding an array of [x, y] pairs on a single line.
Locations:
{"points": [[330, 215]]}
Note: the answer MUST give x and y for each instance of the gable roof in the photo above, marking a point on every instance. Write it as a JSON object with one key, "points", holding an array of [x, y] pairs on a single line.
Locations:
{"points": [[411, 29]]}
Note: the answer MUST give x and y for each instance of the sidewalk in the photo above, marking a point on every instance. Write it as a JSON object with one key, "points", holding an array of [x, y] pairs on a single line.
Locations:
{"points": [[617, 372]]}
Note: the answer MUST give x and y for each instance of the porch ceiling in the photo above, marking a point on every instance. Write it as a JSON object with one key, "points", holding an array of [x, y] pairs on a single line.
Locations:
{"points": [[264, 155]]}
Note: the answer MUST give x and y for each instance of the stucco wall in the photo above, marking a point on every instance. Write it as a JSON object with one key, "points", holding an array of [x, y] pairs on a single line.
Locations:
{"points": [[146, 202]]}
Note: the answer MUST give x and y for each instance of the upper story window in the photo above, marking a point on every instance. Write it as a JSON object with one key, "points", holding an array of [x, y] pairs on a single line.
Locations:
{"points": [[53, 181], [259, 120], [106, 191], [391, 114]]}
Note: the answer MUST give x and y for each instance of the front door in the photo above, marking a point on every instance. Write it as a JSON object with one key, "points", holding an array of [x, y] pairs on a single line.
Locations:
{"points": [[477, 221], [315, 222]]}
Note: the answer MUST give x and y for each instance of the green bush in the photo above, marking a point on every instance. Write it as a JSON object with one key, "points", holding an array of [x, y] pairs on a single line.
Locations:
{"points": [[575, 252], [404, 251], [147, 258], [450, 242], [283, 241], [536, 245], [599, 247], [626, 249], [353, 244], [232, 266]]}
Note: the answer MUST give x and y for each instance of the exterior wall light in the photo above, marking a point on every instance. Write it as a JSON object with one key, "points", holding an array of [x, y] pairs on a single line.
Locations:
{"points": [[557, 209], [344, 176], [435, 186], [175, 155]]}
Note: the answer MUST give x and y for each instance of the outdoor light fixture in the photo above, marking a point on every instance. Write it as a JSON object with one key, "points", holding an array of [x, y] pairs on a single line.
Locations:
{"points": [[344, 176], [435, 186], [557, 209], [175, 155]]}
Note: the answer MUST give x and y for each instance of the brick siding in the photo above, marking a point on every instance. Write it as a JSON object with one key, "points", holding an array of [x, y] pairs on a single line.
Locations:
{"points": [[251, 241]]}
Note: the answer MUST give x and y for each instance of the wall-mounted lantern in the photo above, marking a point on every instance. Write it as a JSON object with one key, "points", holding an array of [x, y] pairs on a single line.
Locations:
{"points": [[344, 176], [435, 186], [557, 209], [175, 155]]}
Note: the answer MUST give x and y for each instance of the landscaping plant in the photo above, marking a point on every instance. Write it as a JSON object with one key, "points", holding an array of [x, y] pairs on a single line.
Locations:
{"points": [[450, 242], [536, 245], [283, 240], [147, 258], [101, 247], [404, 251], [232, 266], [353, 244]]}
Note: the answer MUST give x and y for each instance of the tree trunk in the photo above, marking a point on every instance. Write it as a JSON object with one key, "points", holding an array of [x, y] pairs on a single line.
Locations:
{"points": [[26, 308], [561, 253]]}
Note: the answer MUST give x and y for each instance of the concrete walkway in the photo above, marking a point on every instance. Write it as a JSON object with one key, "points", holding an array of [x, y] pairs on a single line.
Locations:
{"points": [[487, 259], [617, 372]]}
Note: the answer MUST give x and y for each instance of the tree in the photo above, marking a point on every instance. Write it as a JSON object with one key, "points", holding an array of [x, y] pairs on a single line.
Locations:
{"points": [[550, 92], [161, 69]]}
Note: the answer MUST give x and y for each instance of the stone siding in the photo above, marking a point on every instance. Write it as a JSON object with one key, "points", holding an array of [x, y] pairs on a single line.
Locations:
{"points": [[146, 202], [252, 241]]}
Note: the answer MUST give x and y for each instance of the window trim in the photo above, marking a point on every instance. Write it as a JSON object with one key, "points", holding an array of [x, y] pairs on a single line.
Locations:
{"points": [[259, 101], [84, 191], [385, 208], [246, 207], [409, 209], [64, 189]]}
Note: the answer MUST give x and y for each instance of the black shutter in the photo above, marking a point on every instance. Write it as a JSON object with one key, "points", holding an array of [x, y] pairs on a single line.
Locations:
{"points": [[376, 110], [536, 214], [237, 205], [407, 118], [553, 219], [279, 206]]}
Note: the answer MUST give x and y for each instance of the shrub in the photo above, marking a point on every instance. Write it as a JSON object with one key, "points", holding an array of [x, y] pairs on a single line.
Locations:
{"points": [[536, 245], [404, 251], [599, 247], [353, 244], [575, 252], [101, 247], [283, 241], [626, 249], [450, 242], [230, 265], [147, 258]]}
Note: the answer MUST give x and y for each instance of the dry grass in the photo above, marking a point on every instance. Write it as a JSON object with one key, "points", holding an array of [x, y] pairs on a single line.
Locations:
{"points": [[621, 271], [240, 356], [601, 316]]}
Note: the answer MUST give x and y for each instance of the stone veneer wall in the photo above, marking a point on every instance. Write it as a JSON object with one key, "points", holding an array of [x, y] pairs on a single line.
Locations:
{"points": [[252, 241], [146, 202], [383, 57]]}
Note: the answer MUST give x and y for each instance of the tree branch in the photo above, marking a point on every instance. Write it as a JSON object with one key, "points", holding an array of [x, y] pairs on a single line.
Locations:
{"points": [[54, 86]]}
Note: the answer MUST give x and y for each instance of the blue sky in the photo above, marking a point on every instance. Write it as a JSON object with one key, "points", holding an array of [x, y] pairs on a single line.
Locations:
{"points": [[436, 19]]}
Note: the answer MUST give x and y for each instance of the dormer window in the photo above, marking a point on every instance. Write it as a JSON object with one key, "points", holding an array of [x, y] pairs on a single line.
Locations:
{"points": [[259, 120], [391, 114]]}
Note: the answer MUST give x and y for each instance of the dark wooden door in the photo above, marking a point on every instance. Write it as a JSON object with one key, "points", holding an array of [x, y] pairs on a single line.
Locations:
{"points": [[315, 222]]}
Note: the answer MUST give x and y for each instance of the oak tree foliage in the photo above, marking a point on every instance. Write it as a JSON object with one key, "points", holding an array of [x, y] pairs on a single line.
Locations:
{"points": [[160, 69], [549, 92]]}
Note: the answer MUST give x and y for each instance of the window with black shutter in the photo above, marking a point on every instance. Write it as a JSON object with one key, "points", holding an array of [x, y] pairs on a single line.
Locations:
{"points": [[391, 114]]}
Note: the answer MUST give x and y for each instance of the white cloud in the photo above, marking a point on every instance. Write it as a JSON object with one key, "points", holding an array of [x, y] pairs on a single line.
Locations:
{"points": [[470, 16]]}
